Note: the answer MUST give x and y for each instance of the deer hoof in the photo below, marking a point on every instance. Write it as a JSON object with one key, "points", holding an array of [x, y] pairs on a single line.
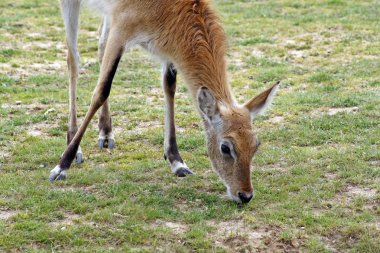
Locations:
{"points": [[101, 143], [180, 169], [57, 174], [183, 172], [106, 143], [111, 143]]}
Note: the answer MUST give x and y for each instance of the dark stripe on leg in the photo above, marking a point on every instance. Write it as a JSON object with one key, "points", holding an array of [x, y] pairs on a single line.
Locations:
{"points": [[106, 88], [170, 83], [102, 92]]}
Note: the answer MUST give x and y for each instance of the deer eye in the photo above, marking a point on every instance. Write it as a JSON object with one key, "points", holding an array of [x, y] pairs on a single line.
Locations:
{"points": [[225, 149]]}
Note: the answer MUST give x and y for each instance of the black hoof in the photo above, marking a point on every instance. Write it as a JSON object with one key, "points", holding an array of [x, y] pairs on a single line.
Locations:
{"points": [[183, 172], [61, 177], [101, 143], [111, 143], [106, 143], [52, 178]]}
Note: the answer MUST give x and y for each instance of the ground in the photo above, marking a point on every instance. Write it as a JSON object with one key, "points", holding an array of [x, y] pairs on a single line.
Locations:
{"points": [[316, 175]]}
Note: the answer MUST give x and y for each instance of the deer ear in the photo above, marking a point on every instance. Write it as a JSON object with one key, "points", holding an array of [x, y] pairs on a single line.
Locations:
{"points": [[207, 104], [258, 104]]}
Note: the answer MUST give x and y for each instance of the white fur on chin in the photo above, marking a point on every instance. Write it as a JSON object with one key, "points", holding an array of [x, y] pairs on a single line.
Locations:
{"points": [[233, 197]]}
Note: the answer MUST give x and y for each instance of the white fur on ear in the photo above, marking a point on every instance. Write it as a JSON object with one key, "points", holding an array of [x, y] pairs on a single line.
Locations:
{"points": [[207, 103], [261, 102]]}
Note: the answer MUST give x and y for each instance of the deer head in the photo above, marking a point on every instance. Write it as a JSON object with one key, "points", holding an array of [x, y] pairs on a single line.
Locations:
{"points": [[231, 139]]}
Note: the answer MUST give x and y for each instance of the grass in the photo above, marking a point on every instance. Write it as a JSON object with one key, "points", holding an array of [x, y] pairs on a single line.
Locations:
{"points": [[316, 176]]}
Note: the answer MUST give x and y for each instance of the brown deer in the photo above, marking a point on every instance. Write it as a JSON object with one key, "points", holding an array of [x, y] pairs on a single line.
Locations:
{"points": [[187, 36]]}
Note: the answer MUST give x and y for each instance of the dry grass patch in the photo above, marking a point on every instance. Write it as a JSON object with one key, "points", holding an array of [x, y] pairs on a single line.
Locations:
{"points": [[6, 213], [176, 228], [334, 111], [239, 236]]}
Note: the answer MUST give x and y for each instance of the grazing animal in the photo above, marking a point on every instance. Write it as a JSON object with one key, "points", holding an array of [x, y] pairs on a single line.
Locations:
{"points": [[186, 35]]}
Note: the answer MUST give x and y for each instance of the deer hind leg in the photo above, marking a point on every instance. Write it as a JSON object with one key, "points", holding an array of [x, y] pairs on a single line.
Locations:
{"points": [[106, 136], [112, 55], [70, 12], [171, 150]]}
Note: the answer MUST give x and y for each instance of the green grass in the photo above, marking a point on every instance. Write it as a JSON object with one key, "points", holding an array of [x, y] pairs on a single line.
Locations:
{"points": [[316, 175]]}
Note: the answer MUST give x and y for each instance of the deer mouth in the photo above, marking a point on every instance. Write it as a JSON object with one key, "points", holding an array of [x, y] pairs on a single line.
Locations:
{"points": [[232, 196], [240, 197]]}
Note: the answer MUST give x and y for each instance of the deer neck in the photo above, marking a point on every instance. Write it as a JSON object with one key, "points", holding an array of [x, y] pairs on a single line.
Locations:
{"points": [[206, 69]]}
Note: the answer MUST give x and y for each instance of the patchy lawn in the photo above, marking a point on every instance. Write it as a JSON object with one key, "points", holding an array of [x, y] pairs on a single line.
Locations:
{"points": [[316, 177]]}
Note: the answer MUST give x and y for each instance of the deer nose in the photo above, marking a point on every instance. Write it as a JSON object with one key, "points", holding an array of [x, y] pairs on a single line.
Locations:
{"points": [[245, 197]]}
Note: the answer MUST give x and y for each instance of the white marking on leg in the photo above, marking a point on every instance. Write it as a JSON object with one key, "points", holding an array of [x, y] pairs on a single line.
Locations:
{"points": [[103, 136], [167, 114], [57, 173], [176, 165], [79, 150], [56, 170], [63, 173]]}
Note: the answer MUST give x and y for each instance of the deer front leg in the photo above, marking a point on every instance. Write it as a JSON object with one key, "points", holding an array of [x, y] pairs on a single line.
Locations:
{"points": [[179, 168], [106, 136], [111, 60], [73, 62], [70, 11]]}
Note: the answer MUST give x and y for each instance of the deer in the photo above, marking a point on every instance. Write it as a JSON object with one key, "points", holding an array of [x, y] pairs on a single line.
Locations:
{"points": [[188, 38]]}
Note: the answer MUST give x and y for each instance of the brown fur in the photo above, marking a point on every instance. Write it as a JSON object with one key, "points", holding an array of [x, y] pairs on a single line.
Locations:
{"points": [[188, 34]]}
